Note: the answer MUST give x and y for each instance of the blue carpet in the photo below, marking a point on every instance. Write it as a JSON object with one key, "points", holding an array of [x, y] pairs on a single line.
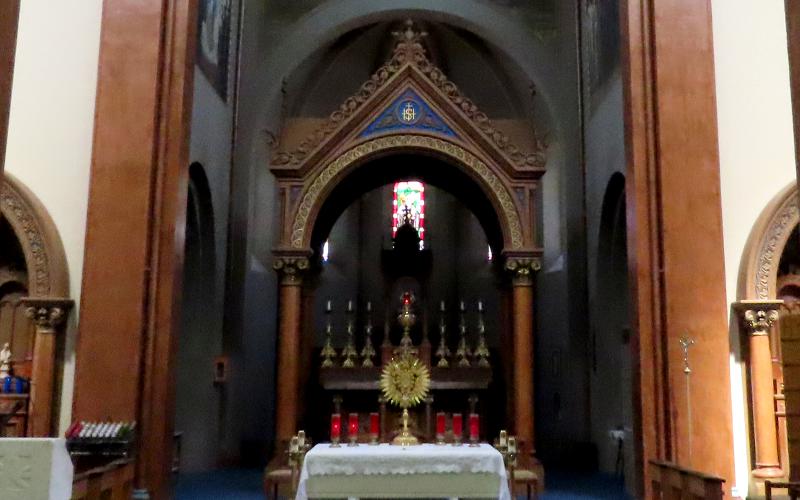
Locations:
{"points": [[239, 484]]}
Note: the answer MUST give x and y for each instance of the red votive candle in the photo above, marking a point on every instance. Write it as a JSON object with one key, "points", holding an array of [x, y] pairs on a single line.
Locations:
{"points": [[440, 419], [458, 425], [336, 427], [352, 428], [474, 425], [374, 424]]}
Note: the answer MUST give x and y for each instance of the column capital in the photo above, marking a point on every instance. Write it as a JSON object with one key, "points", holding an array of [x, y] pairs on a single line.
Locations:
{"points": [[47, 313], [291, 268], [522, 269], [757, 316]]}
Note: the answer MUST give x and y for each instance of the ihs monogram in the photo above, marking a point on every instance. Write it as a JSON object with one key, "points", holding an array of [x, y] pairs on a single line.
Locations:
{"points": [[409, 113]]}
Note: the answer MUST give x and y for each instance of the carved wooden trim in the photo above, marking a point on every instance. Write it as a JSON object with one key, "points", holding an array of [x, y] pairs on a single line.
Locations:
{"points": [[758, 273], [330, 175], [409, 51], [44, 253]]}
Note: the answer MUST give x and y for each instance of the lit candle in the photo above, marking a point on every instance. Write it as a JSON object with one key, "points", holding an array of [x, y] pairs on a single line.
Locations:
{"points": [[474, 425], [349, 306], [352, 428], [441, 306], [301, 439], [369, 306], [294, 445], [512, 444], [374, 426], [336, 427], [503, 438], [480, 305], [328, 307], [461, 306], [440, 423], [458, 425]]}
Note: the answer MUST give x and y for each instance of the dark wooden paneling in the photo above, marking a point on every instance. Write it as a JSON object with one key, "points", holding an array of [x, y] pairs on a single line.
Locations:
{"points": [[9, 17], [135, 226], [675, 235]]}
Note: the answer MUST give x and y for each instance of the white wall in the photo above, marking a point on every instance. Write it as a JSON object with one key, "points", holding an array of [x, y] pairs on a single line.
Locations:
{"points": [[756, 147], [50, 127]]}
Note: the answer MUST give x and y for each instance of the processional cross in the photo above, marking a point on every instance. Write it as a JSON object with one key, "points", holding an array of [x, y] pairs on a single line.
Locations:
{"points": [[686, 343]]}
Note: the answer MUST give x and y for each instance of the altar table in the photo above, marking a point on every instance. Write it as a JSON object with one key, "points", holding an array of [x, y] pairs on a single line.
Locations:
{"points": [[386, 471]]}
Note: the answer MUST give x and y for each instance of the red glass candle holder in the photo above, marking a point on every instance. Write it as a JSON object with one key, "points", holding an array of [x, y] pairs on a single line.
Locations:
{"points": [[440, 427], [352, 429], [458, 428], [474, 429], [336, 429], [374, 428]]}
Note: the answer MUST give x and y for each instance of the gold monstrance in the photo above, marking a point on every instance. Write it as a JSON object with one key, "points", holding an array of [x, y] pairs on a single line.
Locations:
{"points": [[405, 380]]}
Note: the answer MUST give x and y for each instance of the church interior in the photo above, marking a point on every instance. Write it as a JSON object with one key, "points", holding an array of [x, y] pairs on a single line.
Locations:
{"points": [[400, 249]]}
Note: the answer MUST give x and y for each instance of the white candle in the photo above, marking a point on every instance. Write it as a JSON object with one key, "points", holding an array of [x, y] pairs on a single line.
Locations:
{"points": [[503, 436]]}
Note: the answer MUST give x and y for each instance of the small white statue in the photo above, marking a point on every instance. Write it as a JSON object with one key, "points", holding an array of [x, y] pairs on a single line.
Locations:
{"points": [[5, 361]]}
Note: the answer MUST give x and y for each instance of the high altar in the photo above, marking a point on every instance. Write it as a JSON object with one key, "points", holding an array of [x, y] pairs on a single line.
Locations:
{"points": [[408, 107]]}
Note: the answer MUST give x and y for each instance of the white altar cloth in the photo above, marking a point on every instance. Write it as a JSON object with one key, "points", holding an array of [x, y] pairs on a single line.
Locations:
{"points": [[384, 471]]}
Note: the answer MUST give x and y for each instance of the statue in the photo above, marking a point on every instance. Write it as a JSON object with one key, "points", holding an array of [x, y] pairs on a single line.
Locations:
{"points": [[5, 361]]}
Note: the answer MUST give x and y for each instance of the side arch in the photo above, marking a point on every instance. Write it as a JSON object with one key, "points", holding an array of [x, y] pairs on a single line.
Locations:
{"points": [[314, 197], [48, 274], [758, 272]]}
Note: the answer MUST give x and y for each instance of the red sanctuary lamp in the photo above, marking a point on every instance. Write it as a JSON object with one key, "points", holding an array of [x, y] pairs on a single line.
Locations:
{"points": [[440, 427], [458, 428], [474, 427], [336, 429], [352, 429], [374, 428]]}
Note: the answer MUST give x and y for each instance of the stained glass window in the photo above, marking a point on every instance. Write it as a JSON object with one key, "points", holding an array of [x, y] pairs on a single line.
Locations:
{"points": [[409, 198]]}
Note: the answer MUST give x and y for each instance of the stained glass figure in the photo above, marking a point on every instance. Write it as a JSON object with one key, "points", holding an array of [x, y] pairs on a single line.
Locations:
{"points": [[409, 203]]}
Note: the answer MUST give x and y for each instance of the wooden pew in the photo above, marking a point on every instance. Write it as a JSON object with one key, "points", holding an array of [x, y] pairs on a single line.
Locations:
{"points": [[672, 482]]}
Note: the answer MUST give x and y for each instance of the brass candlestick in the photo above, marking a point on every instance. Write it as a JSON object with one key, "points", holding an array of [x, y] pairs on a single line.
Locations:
{"points": [[463, 352], [482, 351], [442, 352], [406, 318], [368, 352], [349, 353], [328, 353]]}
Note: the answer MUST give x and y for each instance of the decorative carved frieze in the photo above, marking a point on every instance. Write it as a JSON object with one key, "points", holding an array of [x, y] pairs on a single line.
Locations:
{"points": [[22, 218], [410, 51], [522, 269], [48, 314], [291, 268], [772, 245], [327, 176]]}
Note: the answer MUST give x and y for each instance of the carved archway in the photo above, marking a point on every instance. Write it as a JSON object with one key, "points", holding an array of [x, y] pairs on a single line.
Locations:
{"points": [[758, 273], [441, 122], [408, 106], [48, 275]]}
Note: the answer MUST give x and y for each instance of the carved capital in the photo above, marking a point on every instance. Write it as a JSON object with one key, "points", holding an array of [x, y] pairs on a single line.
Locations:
{"points": [[758, 316], [48, 314], [522, 269], [291, 268]]}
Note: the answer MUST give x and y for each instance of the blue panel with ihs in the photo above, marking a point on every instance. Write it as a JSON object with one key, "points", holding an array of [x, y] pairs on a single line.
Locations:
{"points": [[408, 112]]}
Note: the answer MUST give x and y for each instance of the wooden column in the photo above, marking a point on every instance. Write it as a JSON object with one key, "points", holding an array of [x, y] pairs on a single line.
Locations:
{"points": [[133, 260], [757, 318], [291, 269], [522, 269], [9, 20], [49, 316]]}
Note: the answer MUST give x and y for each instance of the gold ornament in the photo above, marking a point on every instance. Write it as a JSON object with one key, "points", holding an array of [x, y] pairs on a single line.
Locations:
{"points": [[405, 382]]}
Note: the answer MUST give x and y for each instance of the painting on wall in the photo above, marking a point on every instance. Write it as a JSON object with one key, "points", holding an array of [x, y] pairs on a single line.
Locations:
{"points": [[600, 47], [213, 43]]}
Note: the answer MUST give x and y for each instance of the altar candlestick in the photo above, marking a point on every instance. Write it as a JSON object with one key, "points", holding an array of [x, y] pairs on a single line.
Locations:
{"points": [[458, 428], [440, 427], [352, 429], [474, 425], [336, 429], [374, 427]]}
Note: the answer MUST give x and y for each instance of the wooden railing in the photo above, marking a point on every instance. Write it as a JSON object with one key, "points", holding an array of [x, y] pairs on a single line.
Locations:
{"points": [[671, 482], [109, 482]]}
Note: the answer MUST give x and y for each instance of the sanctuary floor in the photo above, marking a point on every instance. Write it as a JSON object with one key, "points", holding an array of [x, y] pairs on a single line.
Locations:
{"points": [[237, 484]]}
